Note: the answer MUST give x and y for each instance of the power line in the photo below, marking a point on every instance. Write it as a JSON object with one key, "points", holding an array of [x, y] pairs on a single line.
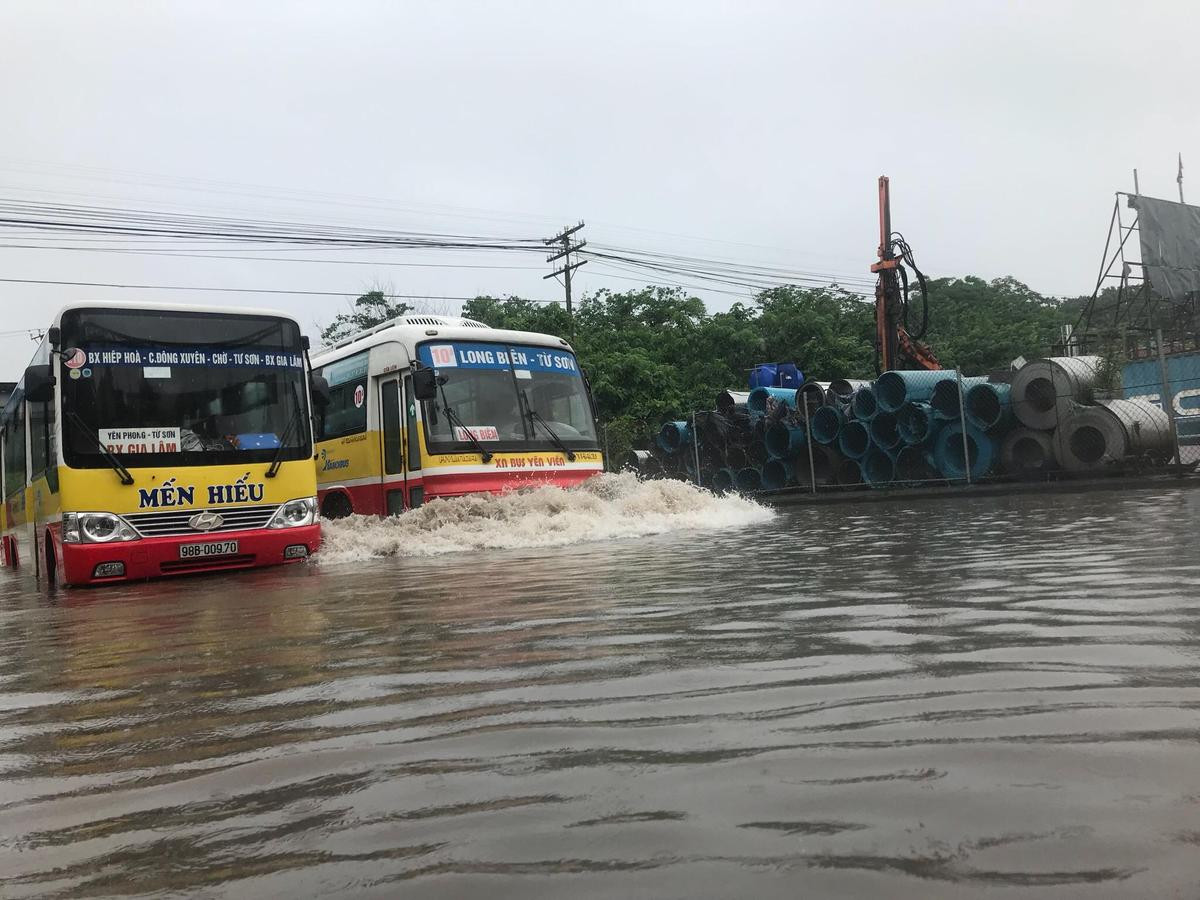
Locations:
{"points": [[233, 290]]}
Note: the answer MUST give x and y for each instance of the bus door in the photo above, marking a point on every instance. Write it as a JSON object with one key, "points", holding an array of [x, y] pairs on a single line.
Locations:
{"points": [[401, 475]]}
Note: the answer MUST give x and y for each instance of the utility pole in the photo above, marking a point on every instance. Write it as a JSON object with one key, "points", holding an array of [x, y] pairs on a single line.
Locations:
{"points": [[563, 238]]}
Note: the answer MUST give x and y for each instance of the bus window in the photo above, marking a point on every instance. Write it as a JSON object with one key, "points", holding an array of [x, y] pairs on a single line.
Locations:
{"points": [[42, 452], [414, 443], [14, 450], [393, 461], [347, 410]]}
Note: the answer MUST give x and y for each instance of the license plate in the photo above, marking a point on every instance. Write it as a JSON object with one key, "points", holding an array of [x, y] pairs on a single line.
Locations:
{"points": [[215, 548]]}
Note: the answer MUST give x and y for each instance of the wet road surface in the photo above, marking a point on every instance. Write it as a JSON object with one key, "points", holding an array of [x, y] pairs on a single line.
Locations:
{"points": [[924, 700]]}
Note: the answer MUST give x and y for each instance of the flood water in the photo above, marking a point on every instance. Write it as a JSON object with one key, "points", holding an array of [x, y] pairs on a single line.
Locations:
{"points": [[630, 692]]}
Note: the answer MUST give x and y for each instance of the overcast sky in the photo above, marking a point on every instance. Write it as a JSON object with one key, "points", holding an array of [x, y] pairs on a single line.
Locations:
{"points": [[750, 131]]}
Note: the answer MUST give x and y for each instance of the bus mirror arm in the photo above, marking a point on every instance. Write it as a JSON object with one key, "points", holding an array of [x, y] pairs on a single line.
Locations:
{"points": [[425, 382], [321, 394]]}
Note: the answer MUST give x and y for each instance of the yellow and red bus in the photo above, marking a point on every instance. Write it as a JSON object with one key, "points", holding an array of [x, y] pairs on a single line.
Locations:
{"points": [[429, 406], [145, 441]]}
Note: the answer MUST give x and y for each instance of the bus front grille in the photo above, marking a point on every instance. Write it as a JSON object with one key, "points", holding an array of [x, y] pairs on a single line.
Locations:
{"points": [[176, 523]]}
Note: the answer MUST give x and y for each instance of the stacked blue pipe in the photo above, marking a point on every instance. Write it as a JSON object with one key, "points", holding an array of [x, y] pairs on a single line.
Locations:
{"points": [[760, 399], [989, 407], [916, 423], [748, 480], [878, 467], [894, 389], [945, 400], [884, 432], [950, 456], [825, 424], [854, 440], [673, 436], [784, 440], [914, 464], [864, 404], [906, 428], [776, 475]]}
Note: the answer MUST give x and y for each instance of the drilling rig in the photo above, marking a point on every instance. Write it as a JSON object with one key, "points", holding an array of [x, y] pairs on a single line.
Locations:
{"points": [[898, 343]]}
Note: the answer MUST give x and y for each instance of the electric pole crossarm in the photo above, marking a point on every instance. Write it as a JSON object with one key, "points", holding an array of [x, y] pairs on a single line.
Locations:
{"points": [[566, 233], [571, 248], [565, 270]]}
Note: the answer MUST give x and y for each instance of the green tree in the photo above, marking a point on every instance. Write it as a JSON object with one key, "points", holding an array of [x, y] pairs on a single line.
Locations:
{"points": [[370, 309], [518, 314], [828, 332], [981, 325]]}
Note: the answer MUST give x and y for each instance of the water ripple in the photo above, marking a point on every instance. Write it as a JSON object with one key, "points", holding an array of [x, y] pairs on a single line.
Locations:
{"points": [[684, 699]]}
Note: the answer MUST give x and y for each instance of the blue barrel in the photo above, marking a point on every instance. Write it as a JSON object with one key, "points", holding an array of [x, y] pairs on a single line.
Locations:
{"points": [[764, 375], [989, 407], [854, 441], [783, 440], [674, 436], [787, 375], [945, 400], [878, 468], [894, 389], [759, 399], [864, 404], [722, 480], [884, 433], [948, 451], [748, 480], [916, 423], [825, 424], [776, 474]]}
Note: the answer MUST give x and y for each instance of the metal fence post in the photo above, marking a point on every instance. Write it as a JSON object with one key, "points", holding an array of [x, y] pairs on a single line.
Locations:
{"points": [[962, 418], [696, 446], [812, 470], [1168, 401]]}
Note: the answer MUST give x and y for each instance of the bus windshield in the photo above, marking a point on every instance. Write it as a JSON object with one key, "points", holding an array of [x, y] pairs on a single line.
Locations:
{"points": [[160, 388], [493, 388]]}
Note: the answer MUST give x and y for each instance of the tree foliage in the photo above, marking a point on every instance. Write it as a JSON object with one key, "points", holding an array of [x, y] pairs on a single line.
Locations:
{"points": [[983, 325], [369, 310]]}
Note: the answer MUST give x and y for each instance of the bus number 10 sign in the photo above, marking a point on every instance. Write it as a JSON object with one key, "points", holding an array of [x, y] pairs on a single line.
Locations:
{"points": [[442, 355]]}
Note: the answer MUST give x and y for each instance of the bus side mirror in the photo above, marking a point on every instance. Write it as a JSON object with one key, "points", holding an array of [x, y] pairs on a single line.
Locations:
{"points": [[318, 386], [425, 383], [54, 335], [39, 384]]}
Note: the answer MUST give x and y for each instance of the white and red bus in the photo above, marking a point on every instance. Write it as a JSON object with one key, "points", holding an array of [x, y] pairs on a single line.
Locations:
{"points": [[429, 406]]}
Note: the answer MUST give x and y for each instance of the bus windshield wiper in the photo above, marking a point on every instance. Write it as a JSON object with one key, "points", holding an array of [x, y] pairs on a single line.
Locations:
{"points": [[111, 459], [484, 453], [535, 416], [277, 459]]}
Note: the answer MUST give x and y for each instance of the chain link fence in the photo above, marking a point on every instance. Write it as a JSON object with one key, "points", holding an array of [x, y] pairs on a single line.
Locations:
{"points": [[1045, 418]]}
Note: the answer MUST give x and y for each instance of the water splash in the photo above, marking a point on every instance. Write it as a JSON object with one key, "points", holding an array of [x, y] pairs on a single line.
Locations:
{"points": [[605, 507]]}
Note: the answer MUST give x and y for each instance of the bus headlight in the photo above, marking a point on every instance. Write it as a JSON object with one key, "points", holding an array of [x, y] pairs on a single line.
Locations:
{"points": [[295, 513], [95, 528]]}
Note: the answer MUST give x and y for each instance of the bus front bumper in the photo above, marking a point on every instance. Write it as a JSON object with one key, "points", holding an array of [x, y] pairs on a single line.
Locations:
{"points": [[161, 556]]}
